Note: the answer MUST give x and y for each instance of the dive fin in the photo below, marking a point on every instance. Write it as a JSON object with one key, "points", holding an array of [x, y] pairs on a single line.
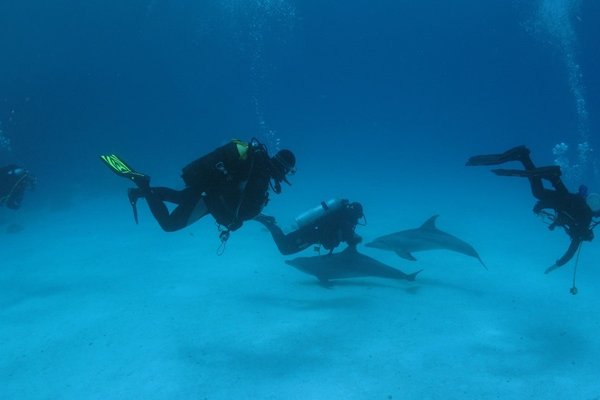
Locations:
{"points": [[117, 165], [515, 154], [121, 168], [552, 171]]}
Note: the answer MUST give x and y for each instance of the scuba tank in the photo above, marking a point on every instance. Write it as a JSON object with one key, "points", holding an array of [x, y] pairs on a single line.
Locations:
{"points": [[212, 169], [311, 216]]}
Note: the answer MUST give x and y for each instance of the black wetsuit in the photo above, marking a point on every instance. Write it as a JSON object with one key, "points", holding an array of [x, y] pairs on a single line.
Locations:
{"points": [[329, 231], [186, 200], [231, 183], [572, 213], [13, 182]]}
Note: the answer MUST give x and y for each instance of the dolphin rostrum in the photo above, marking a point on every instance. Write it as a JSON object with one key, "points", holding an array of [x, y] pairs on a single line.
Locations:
{"points": [[425, 237], [347, 264]]}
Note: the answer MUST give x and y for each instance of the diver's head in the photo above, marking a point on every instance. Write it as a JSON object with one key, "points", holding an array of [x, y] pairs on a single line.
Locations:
{"points": [[593, 202], [282, 164], [583, 191]]}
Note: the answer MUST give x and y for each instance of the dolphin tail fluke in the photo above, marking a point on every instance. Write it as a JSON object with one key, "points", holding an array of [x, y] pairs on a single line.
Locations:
{"points": [[411, 277]]}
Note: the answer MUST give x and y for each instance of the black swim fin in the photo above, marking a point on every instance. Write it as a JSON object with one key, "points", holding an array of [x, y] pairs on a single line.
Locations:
{"points": [[552, 171], [515, 154], [266, 220], [121, 168]]}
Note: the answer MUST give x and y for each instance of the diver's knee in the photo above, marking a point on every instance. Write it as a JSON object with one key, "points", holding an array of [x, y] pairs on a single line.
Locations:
{"points": [[169, 226]]}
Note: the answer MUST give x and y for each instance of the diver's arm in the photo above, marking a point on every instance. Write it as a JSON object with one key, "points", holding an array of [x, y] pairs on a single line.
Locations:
{"points": [[573, 247]]}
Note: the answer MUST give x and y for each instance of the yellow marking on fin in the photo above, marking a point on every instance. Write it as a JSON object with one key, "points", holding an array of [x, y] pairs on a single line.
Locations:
{"points": [[116, 164]]}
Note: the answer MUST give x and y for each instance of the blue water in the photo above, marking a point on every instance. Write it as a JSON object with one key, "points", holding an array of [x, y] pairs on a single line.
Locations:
{"points": [[382, 103]]}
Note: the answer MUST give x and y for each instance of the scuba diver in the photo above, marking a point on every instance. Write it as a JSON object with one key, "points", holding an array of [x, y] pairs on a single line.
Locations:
{"points": [[231, 183], [574, 212], [13, 182], [326, 225]]}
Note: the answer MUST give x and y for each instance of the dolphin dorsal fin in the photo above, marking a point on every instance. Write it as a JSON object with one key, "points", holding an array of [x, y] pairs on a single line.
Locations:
{"points": [[430, 224]]}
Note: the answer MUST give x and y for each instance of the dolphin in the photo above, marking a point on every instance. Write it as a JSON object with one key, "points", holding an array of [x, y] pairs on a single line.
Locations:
{"points": [[425, 237], [347, 264]]}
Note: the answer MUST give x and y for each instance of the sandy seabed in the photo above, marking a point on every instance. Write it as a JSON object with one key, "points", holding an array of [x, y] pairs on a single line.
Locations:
{"points": [[94, 307]]}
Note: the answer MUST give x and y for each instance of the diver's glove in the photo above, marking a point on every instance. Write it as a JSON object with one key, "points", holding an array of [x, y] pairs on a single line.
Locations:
{"points": [[356, 239]]}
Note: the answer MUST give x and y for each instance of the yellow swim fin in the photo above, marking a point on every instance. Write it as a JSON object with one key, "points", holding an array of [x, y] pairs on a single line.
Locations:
{"points": [[118, 166], [121, 168]]}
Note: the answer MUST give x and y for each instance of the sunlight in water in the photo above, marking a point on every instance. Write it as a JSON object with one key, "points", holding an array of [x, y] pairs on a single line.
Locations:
{"points": [[4, 141], [554, 22], [256, 23]]}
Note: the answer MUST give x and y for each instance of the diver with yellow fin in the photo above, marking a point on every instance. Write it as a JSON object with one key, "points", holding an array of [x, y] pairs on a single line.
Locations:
{"points": [[231, 183]]}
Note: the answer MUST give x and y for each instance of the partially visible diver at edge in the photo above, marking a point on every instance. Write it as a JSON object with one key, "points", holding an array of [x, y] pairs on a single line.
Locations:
{"points": [[13, 182], [574, 212]]}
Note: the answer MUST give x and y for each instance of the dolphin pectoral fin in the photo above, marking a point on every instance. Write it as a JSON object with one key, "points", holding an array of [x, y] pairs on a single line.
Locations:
{"points": [[482, 263], [324, 282], [406, 255]]}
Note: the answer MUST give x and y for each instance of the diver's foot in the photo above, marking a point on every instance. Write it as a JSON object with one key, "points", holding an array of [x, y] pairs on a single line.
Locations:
{"points": [[141, 181], [265, 219], [133, 194], [549, 172], [518, 153]]}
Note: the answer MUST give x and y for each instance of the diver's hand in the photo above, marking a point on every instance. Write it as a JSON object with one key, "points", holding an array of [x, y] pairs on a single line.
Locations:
{"points": [[355, 240], [551, 268]]}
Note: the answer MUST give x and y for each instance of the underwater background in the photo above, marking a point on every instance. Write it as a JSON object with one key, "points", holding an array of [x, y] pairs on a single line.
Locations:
{"points": [[382, 102]]}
